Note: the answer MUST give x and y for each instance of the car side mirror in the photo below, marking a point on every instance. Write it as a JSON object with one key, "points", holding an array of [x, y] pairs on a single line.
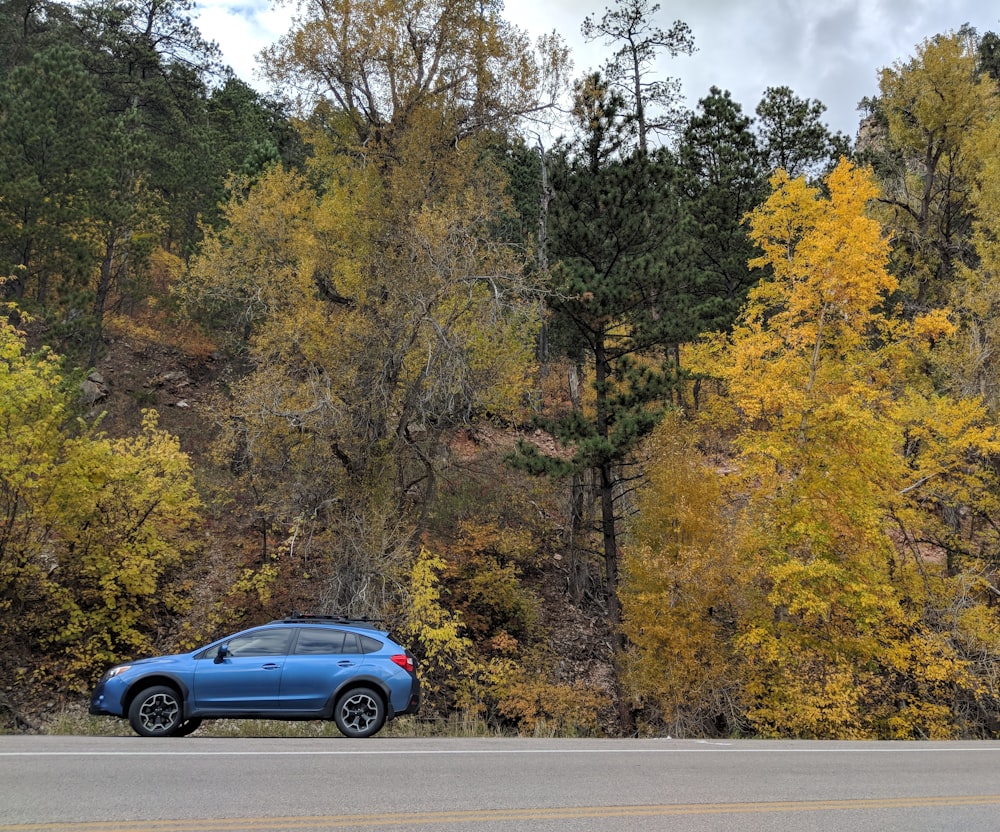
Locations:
{"points": [[221, 653]]}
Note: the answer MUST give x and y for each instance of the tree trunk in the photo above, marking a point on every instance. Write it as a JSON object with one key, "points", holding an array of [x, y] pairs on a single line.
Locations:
{"points": [[609, 537], [104, 282]]}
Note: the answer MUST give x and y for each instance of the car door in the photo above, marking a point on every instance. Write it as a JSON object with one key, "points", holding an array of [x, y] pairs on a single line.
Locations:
{"points": [[320, 661], [248, 678]]}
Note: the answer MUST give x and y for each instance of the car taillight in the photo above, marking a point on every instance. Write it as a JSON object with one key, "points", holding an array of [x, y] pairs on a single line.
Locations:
{"points": [[404, 661]]}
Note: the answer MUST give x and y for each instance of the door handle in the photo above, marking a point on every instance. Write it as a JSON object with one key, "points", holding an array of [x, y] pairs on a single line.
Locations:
{"points": [[271, 666]]}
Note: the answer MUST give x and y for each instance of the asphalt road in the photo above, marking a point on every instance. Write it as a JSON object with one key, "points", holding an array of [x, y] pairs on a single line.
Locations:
{"points": [[124, 784]]}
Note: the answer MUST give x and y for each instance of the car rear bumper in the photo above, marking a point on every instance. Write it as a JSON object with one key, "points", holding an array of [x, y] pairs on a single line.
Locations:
{"points": [[413, 705]]}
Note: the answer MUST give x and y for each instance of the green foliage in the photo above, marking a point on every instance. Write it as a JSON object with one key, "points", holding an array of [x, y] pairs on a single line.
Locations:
{"points": [[721, 180], [611, 232], [53, 127], [608, 223], [989, 55], [611, 243], [793, 138], [110, 148]]}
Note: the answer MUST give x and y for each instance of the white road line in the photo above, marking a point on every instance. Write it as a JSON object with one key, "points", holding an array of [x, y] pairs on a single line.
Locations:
{"points": [[915, 749]]}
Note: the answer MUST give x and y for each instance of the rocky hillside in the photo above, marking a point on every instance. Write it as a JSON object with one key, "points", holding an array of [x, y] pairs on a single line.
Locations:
{"points": [[566, 636]]}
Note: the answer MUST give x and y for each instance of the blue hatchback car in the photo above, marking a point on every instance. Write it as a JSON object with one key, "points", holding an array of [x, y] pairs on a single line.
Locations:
{"points": [[301, 667]]}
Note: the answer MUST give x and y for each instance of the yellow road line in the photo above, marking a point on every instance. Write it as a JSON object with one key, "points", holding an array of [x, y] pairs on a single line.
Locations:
{"points": [[374, 821]]}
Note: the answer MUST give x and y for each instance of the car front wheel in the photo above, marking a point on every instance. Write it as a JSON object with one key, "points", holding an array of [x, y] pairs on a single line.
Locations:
{"points": [[156, 712], [359, 713]]}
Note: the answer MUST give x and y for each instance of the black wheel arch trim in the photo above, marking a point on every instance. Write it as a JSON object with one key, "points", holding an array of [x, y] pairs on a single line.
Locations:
{"points": [[361, 682], [151, 680]]}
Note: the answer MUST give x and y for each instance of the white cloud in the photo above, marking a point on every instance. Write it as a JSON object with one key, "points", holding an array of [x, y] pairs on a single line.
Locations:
{"points": [[831, 51], [242, 29]]}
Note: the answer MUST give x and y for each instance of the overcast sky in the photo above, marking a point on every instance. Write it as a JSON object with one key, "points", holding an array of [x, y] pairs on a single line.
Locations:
{"points": [[831, 50]]}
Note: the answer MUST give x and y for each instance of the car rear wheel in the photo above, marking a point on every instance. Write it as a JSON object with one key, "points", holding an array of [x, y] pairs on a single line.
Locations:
{"points": [[359, 713], [156, 712]]}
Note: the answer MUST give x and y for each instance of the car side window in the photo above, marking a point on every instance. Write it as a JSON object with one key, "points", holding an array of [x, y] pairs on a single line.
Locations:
{"points": [[313, 641], [370, 645], [260, 643]]}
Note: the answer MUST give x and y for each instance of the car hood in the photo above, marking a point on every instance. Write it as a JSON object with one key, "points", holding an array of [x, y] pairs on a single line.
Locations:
{"points": [[171, 659]]}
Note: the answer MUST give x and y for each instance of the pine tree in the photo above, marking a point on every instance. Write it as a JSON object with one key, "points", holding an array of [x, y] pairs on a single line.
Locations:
{"points": [[721, 179], [611, 225], [651, 107], [793, 137]]}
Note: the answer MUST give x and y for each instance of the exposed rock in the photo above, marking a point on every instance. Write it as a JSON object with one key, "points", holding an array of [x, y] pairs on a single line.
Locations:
{"points": [[171, 378], [93, 388]]}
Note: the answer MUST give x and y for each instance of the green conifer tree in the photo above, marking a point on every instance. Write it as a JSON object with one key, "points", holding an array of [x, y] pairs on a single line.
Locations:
{"points": [[611, 223]]}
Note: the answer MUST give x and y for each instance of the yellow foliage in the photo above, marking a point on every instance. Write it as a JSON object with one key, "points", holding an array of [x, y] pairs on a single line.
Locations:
{"points": [[681, 589], [933, 326], [483, 572], [448, 665], [251, 268], [259, 582], [98, 528], [125, 534], [378, 310], [538, 707], [829, 263], [455, 676], [940, 90], [845, 449], [979, 629], [971, 358], [935, 107]]}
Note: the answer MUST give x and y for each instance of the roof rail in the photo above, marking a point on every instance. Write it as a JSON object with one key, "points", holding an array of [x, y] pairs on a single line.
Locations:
{"points": [[297, 617]]}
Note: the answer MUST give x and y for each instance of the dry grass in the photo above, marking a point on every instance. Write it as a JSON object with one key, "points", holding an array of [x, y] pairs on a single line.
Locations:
{"points": [[75, 721]]}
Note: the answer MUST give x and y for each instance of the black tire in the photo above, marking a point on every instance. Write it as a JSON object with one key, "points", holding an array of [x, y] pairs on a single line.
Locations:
{"points": [[359, 713], [156, 712], [189, 726]]}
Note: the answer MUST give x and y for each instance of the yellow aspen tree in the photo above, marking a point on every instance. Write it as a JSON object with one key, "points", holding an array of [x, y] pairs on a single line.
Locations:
{"points": [[836, 646], [971, 360], [122, 512], [682, 592], [450, 670], [928, 114]]}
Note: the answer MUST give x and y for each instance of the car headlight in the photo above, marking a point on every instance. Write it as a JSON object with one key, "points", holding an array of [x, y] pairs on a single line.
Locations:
{"points": [[117, 670]]}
